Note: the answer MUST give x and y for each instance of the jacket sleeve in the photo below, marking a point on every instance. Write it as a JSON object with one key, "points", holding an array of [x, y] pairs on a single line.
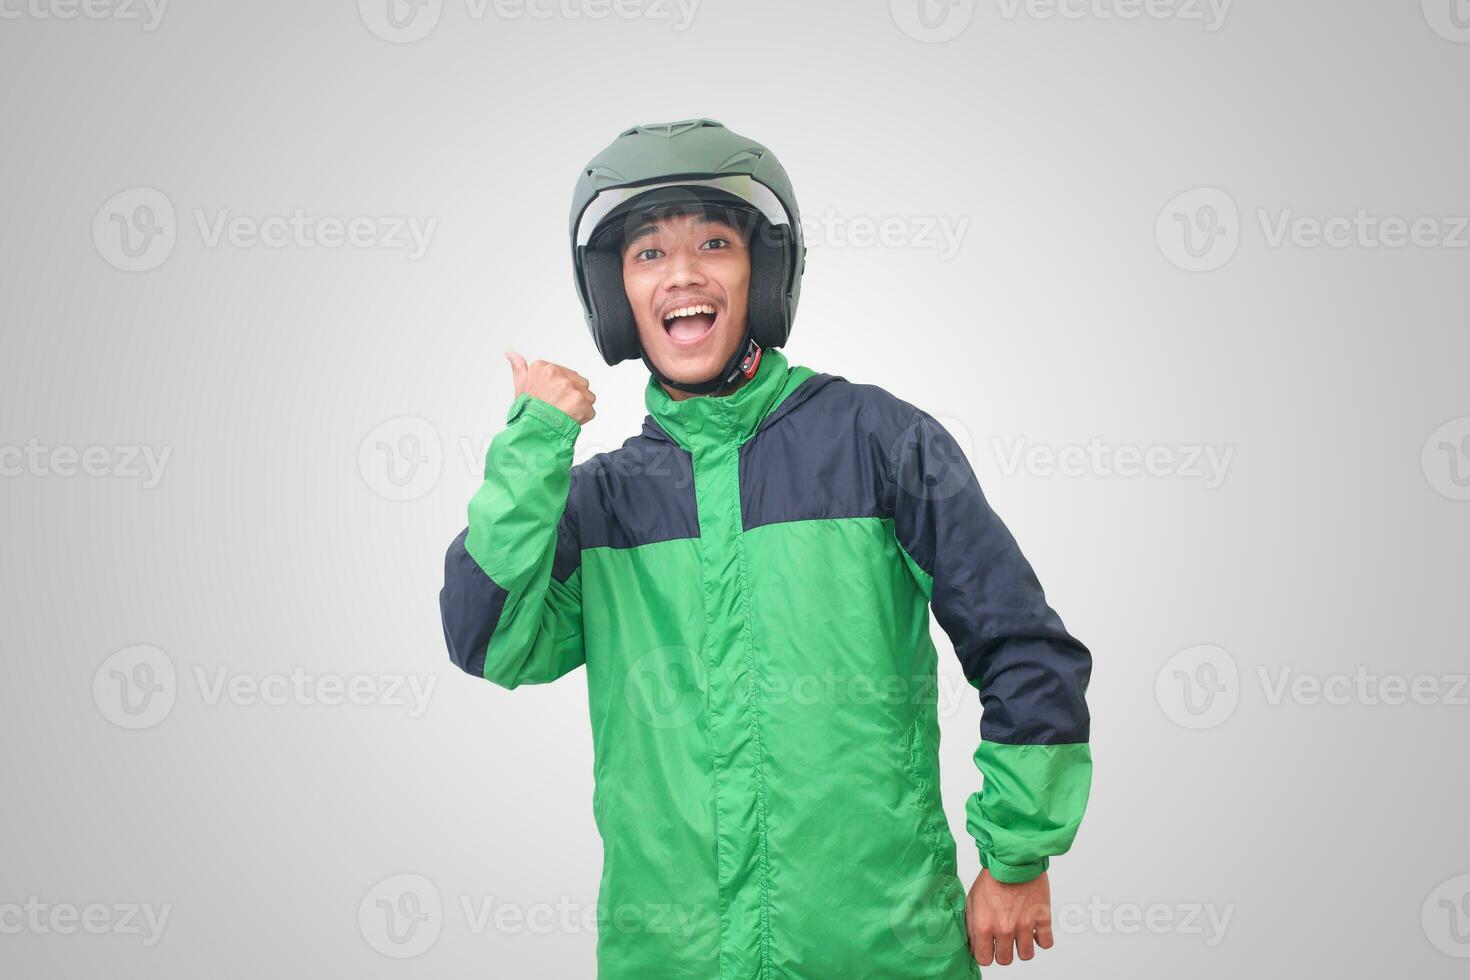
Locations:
{"points": [[1030, 672], [512, 597]]}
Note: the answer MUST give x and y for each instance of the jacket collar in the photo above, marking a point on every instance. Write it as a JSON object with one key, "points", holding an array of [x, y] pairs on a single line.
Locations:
{"points": [[704, 421]]}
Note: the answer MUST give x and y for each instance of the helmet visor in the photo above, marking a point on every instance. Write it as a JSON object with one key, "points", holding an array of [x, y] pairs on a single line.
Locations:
{"points": [[617, 202]]}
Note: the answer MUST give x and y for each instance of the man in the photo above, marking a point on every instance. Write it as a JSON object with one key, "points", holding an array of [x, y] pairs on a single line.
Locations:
{"points": [[748, 583]]}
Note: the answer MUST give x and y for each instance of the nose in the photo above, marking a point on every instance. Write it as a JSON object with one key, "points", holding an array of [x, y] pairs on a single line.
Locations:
{"points": [[684, 269]]}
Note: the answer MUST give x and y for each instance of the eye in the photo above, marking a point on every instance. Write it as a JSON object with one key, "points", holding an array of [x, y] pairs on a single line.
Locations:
{"points": [[647, 254], [717, 243]]}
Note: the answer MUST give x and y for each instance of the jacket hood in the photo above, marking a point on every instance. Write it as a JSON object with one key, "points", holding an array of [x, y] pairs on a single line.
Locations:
{"points": [[704, 421]]}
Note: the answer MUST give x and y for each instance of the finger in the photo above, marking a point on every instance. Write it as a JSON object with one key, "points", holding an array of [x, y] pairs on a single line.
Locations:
{"points": [[984, 947], [1005, 948], [1024, 947], [517, 369], [1043, 934]]}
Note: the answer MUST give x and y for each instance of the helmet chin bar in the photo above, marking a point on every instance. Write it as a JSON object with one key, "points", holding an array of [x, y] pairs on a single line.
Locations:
{"points": [[743, 362]]}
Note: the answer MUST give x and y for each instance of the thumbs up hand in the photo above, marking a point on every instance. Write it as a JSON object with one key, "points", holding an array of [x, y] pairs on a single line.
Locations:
{"points": [[560, 386]]}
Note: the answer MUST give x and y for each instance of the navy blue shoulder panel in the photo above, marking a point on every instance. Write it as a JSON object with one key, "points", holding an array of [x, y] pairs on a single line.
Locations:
{"points": [[1031, 673], [820, 455], [638, 494], [471, 603], [856, 450], [469, 606]]}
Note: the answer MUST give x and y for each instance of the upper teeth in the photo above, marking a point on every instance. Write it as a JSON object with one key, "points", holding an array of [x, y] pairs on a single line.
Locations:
{"points": [[690, 311]]}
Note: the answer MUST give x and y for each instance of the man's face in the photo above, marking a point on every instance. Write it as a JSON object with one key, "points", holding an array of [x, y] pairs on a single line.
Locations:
{"points": [[682, 263]]}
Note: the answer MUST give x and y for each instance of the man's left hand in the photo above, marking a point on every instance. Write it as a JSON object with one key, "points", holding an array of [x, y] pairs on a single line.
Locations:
{"points": [[1008, 919]]}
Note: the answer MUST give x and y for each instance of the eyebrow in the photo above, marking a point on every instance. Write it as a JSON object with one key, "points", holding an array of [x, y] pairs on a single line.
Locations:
{"points": [[649, 228]]}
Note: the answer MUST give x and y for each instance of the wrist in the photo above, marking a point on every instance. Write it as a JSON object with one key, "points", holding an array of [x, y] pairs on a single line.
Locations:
{"points": [[1012, 874], [545, 413]]}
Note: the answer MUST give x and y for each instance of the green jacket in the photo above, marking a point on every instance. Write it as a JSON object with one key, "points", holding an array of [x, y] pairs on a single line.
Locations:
{"points": [[748, 584]]}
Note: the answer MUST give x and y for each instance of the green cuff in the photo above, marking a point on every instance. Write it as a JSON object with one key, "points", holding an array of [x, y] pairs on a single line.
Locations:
{"points": [[560, 422], [1012, 874]]}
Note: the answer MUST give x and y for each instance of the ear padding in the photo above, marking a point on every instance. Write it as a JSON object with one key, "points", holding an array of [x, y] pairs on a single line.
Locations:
{"points": [[770, 258], [614, 328]]}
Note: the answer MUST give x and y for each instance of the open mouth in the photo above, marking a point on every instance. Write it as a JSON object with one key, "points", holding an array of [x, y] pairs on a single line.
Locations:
{"points": [[688, 325]]}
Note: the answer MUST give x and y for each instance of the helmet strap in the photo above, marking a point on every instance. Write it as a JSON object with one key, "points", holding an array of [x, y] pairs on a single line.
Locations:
{"points": [[743, 362]]}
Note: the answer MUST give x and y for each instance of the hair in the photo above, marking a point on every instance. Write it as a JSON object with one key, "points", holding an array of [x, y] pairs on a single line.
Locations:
{"points": [[612, 234]]}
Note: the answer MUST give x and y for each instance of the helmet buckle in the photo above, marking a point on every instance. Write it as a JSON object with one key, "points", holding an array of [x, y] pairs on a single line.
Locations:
{"points": [[751, 360]]}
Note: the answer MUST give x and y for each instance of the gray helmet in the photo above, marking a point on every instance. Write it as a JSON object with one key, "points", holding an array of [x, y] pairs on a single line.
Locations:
{"points": [[669, 166]]}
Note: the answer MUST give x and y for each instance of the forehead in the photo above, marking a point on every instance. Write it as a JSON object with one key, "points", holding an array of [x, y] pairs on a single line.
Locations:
{"points": [[650, 225]]}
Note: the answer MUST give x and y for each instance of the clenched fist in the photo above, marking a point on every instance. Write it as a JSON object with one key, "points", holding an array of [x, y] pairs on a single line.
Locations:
{"points": [[561, 386], [1008, 919]]}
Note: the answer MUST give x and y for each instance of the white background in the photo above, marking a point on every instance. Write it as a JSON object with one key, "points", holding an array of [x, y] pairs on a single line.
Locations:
{"points": [[1074, 150]]}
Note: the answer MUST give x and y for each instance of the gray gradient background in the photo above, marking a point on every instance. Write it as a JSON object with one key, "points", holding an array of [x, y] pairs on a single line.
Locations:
{"points": [[270, 543]]}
